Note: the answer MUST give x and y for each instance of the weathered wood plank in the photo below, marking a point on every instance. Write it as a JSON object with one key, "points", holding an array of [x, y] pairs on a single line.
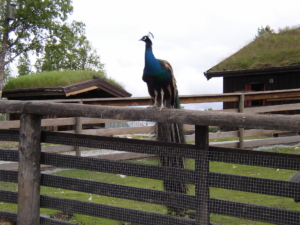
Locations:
{"points": [[272, 94], [86, 120], [10, 124], [273, 108], [29, 170], [119, 167], [255, 158], [256, 143], [112, 212], [118, 131], [254, 212], [265, 109], [61, 148], [241, 129], [255, 185], [230, 134], [202, 171], [78, 130], [185, 99], [203, 118], [131, 193], [58, 122], [272, 187]]}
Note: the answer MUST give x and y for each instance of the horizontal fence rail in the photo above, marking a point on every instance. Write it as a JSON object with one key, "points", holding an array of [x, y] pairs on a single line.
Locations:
{"points": [[280, 95], [203, 118]]}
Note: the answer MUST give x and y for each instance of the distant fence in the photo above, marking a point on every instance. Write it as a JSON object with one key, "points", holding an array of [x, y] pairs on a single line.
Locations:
{"points": [[200, 204]]}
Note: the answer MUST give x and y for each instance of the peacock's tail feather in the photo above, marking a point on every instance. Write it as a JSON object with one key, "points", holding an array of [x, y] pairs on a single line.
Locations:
{"points": [[167, 132]]}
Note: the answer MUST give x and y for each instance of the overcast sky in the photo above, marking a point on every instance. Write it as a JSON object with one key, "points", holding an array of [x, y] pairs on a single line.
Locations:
{"points": [[192, 35]]}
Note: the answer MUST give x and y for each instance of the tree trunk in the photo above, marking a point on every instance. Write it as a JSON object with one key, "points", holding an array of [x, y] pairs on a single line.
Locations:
{"points": [[3, 51]]}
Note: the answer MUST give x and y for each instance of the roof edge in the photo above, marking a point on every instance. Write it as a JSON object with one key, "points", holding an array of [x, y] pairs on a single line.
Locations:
{"points": [[253, 71]]}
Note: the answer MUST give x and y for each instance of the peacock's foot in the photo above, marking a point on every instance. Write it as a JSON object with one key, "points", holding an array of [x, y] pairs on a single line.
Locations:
{"points": [[153, 107], [162, 107]]}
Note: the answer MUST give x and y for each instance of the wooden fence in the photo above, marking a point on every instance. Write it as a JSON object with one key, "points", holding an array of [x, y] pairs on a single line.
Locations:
{"points": [[30, 157], [269, 96]]}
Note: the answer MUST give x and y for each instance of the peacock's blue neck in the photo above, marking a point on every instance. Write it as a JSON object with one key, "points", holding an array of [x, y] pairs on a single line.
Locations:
{"points": [[152, 65]]}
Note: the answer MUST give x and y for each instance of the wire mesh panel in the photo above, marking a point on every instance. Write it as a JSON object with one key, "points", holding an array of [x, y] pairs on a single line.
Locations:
{"points": [[225, 186], [255, 187]]}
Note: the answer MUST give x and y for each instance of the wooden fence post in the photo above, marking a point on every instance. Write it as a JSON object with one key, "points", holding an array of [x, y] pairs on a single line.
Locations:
{"points": [[241, 130], [78, 130], [29, 176], [202, 168]]}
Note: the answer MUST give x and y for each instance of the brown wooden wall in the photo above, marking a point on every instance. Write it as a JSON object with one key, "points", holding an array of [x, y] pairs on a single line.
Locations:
{"points": [[281, 81]]}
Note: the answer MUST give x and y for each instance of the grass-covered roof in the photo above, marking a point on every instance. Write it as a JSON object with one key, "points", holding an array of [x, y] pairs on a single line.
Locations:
{"points": [[268, 50], [56, 79]]}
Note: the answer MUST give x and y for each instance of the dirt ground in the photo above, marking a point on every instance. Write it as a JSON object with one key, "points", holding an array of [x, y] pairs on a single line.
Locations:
{"points": [[4, 221]]}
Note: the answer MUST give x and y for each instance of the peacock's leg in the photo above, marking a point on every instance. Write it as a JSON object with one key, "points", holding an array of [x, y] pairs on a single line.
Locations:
{"points": [[155, 99], [162, 99]]}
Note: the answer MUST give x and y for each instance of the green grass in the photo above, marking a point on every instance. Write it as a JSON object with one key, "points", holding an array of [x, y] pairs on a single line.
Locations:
{"points": [[268, 50], [228, 168], [56, 79]]}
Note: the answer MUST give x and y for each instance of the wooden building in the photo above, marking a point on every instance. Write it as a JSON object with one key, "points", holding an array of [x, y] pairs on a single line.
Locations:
{"points": [[270, 62], [261, 79], [94, 88]]}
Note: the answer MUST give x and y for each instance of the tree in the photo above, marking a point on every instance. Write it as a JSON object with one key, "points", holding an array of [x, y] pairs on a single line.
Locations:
{"points": [[34, 24], [261, 31], [24, 65], [72, 51]]}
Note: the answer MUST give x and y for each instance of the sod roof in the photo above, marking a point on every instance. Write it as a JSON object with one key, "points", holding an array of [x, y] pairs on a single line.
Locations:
{"points": [[62, 85], [56, 79], [269, 50]]}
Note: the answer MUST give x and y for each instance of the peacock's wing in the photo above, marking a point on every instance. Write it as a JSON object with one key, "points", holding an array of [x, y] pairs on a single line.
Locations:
{"points": [[171, 87]]}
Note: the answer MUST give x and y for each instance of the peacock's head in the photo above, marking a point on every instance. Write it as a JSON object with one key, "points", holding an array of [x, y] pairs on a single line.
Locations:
{"points": [[146, 38]]}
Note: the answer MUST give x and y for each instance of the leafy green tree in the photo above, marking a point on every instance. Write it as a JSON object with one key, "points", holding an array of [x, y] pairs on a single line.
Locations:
{"points": [[72, 51], [34, 23], [24, 65]]}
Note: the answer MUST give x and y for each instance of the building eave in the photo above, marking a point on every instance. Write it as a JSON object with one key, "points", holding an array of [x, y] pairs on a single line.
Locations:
{"points": [[255, 71]]}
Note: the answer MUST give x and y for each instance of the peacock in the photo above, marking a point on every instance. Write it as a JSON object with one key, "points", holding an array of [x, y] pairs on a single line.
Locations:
{"points": [[159, 77]]}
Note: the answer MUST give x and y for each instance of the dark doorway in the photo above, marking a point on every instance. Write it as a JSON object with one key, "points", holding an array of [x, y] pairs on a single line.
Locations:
{"points": [[253, 88]]}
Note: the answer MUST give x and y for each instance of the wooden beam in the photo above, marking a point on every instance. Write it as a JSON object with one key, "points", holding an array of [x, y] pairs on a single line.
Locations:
{"points": [[29, 177], [257, 143], [116, 131], [202, 172], [241, 129], [279, 95], [78, 130], [58, 122], [272, 94], [81, 90], [203, 118], [265, 109], [230, 134], [273, 108]]}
